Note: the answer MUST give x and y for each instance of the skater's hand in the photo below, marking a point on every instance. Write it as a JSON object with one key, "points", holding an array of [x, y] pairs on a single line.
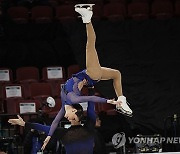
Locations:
{"points": [[111, 101], [18, 121], [117, 103], [45, 142]]}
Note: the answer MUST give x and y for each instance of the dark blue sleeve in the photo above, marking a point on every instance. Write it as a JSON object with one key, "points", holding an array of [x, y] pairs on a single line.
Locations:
{"points": [[38, 127], [91, 117], [59, 132], [91, 111]]}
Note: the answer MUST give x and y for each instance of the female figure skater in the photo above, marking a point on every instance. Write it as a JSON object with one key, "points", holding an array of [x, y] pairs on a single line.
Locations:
{"points": [[93, 73]]}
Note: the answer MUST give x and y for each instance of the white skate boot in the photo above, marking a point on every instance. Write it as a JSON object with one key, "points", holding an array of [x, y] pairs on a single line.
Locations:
{"points": [[85, 10], [124, 109]]}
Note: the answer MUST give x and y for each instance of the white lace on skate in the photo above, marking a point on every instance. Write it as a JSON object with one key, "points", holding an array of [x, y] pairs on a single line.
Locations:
{"points": [[85, 10], [124, 109]]}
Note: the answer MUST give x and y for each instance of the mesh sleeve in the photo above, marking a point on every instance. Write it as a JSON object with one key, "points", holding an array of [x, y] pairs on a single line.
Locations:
{"points": [[80, 99], [56, 121]]}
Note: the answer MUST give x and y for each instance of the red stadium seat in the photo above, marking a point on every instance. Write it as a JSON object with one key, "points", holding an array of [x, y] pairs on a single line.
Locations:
{"points": [[55, 76], [97, 12], [6, 76], [42, 14], [40, 91], [162, 9], [114, 11], [72, 69], [57, 90], [65, 13], [109, 109], [177, 8], [53, 3], [138, 10], [26, 76], [11, 92], [17, 106], [19, 14], [27, 73], [2, 108]]}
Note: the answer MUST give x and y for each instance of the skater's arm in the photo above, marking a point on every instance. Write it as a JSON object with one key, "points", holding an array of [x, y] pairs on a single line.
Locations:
{"points": [[56, 120]]}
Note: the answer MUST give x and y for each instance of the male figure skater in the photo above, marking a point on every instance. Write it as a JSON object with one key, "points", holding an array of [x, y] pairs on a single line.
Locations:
{"points": [[76, 139]]}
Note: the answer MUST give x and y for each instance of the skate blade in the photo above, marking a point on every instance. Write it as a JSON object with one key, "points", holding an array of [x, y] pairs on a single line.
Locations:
{"points": [[124, 113], [81, 5]]}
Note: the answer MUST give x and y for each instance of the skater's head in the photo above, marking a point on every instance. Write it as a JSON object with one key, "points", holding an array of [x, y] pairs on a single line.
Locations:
{"points": [[73, 113]]}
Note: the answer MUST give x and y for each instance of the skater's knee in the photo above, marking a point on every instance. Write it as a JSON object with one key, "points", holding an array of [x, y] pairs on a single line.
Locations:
{"points": [[117, 73]]}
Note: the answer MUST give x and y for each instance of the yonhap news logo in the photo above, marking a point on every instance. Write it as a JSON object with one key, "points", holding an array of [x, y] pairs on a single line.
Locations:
{"points": [[154, 140], [118, 140]]}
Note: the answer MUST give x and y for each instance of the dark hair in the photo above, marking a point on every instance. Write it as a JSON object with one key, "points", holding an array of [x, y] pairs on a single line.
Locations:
{"points": [[79, 112]]}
